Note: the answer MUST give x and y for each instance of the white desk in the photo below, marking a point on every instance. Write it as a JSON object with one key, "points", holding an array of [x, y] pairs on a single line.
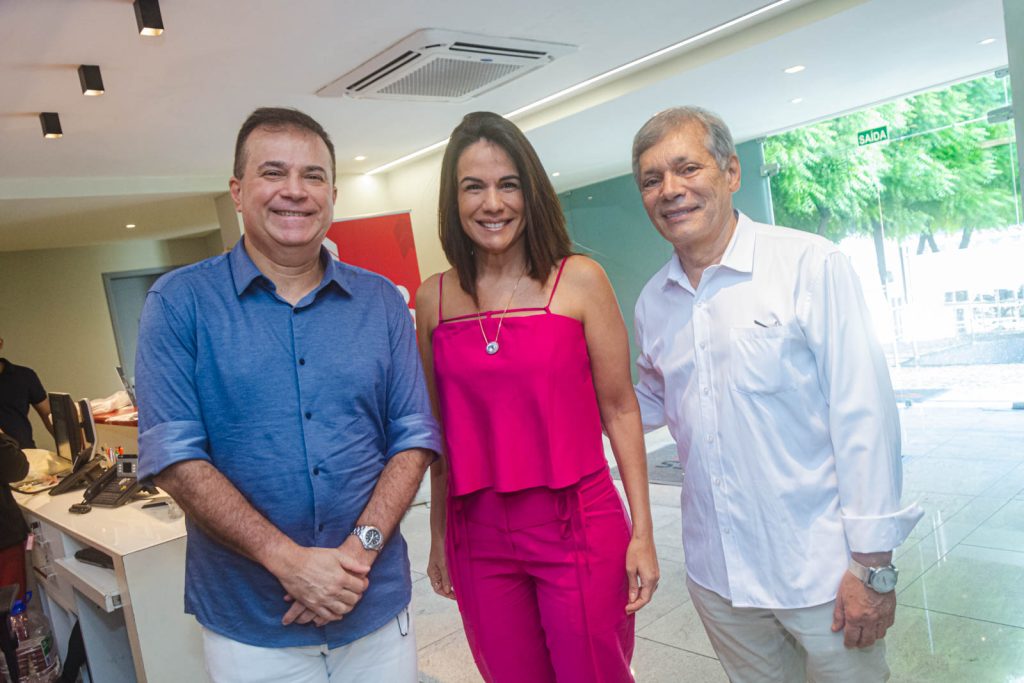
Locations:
{"points": [[132, 618]]}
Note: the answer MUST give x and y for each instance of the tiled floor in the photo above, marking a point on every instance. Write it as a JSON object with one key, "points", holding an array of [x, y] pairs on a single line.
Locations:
{"points": [[961, 594]]}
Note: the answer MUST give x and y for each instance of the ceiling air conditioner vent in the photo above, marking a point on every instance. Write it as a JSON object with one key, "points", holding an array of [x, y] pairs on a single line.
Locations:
{"points": [[434, 65]]}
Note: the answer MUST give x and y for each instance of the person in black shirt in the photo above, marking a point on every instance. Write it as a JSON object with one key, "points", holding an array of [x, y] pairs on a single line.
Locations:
{"points": [[13, 530], [20, 388]]}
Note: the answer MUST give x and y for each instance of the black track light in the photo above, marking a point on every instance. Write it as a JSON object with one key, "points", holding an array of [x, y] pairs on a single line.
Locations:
{"points": [[51, 124], [147, 16], [91, 80]]}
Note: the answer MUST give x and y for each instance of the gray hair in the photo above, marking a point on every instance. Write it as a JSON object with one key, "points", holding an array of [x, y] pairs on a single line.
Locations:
{"points": [[718, 142]]}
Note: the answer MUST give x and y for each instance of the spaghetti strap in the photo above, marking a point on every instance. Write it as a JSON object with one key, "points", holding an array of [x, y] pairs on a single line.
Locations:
{"points": [[440, 296], [555, 287]]}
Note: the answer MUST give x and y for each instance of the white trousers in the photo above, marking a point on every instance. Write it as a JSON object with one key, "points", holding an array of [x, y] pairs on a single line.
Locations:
{"points": [[388, 654], [784, 645]]}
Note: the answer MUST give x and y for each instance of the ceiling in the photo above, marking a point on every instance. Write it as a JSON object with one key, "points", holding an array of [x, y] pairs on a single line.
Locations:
{"points": [[156, 148]]}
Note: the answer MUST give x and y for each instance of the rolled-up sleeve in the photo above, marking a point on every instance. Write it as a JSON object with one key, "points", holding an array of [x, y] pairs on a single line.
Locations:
{"points": [[171, 429], [410, 420], [863, 418]]}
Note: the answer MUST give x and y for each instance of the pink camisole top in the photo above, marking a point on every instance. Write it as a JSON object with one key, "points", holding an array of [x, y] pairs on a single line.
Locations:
{"points": [[526, 416]]}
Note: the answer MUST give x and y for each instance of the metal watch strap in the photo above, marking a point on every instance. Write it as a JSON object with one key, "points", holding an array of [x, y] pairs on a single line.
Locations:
{"points": [[370, 536], [859, 570], [868, 574]]}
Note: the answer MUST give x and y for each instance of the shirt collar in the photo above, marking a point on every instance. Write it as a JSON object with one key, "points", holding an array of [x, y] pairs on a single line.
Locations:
{"points": [[738, 256], [244, 272]]}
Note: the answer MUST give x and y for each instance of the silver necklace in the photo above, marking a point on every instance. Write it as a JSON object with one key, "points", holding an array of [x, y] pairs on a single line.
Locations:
{"points": [[492, 346]]}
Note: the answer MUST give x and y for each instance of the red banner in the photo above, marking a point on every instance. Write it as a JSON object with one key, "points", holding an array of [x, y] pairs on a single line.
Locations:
{"points": [[383, 244]]}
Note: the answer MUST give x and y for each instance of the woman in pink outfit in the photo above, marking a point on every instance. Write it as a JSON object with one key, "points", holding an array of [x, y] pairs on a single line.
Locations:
{"points": [[527, 359]]}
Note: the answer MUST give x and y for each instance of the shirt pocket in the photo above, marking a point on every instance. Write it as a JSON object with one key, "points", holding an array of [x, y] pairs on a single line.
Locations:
{"points": [[759, 359]]}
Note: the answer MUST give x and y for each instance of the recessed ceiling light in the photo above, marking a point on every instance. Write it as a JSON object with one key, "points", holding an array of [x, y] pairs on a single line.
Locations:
{"points": [[986, 41], [795, 69], [555, 174], [130, 226], [796, 100], [361, 157], [732, 23]]}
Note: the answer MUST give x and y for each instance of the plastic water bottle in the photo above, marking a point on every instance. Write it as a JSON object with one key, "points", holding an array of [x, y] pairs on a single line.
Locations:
{"points": [[37, 659]]}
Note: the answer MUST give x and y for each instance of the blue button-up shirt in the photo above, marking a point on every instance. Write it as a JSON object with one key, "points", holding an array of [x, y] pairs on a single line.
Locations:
{"points": [[300, 407]]}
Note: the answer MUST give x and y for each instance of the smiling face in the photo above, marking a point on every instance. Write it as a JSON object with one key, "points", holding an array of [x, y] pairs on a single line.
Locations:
{"points": [[286, 194], [687, 196], [490, 197]]}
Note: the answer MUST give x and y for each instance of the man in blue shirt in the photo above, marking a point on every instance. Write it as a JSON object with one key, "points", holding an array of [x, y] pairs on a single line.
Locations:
{"points": [[282, 404]]}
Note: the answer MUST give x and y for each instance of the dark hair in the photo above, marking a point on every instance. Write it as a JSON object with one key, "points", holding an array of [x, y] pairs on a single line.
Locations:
{"points": [[718, 141], [546, 238], [279, 118]]}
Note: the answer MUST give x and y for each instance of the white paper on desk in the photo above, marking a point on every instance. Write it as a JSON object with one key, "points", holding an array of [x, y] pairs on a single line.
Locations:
{"points": [[42, 461], [118, 399]]}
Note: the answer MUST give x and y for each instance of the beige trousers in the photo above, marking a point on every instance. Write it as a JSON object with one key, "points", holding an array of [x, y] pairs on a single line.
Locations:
{"points": [[784, 645]]}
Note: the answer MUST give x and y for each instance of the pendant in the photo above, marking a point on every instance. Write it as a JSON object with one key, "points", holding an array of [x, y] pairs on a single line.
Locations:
{"points": [[492, 347]]}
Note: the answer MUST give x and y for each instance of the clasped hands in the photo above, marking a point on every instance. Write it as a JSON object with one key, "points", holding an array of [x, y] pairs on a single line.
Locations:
{"points": [[323, 584]]}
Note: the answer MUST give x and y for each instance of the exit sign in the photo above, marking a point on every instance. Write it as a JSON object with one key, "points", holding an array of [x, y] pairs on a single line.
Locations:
{"points": [[872, 135]]}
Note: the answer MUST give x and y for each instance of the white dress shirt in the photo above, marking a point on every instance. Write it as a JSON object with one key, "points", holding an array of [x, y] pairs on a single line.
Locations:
{"points": [[778, 397]]}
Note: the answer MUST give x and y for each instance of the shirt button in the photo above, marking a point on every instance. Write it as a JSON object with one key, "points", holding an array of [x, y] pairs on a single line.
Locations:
{"points": [[703, 345], [302, 361], [321, 527], [709, 438], [724, 531], [316, 470], [718, 482], [706, 390], [308, 415]]}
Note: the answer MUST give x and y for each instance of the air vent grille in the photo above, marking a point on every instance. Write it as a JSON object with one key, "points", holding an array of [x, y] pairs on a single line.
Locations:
{"points": [[444, 66], [449, 78], [383, 72], [475, 48]]}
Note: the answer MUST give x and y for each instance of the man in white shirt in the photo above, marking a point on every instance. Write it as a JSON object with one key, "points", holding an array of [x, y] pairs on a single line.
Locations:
{"points": [[756, 350]]}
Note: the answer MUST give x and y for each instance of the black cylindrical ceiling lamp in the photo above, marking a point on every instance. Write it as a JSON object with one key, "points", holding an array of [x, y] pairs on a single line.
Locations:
{"points": [[51, 124], [147, 16], [91, 80]]}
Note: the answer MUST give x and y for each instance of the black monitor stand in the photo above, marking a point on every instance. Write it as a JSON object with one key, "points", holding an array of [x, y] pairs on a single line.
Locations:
{"points": [[80, 478]]}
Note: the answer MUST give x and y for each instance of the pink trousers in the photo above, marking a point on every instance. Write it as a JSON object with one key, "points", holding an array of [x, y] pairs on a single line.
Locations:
{"points": [[540, 577]]}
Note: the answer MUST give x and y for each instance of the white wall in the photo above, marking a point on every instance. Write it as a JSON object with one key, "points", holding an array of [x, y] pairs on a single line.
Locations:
{"points": [[54, 316]]}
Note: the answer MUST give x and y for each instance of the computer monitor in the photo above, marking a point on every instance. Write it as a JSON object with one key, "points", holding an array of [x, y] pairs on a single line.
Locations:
{"points": [[128, 386], [75, 435], [88, 425], [67, 427]]}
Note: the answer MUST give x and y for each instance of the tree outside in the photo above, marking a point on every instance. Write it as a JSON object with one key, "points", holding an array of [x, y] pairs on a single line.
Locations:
{"points": [[942, 169]]}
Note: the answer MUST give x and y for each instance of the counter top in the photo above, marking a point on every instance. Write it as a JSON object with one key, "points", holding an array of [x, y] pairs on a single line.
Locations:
{"points": [[116, 531]]}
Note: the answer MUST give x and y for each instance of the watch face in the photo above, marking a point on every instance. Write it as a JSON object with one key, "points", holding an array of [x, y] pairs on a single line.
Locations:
{"points": [[372, 537], [883, 580]]}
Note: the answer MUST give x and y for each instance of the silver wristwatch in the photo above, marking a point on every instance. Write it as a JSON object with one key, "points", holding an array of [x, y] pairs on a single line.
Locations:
{"points": [[369, 536], [879, 579]]}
